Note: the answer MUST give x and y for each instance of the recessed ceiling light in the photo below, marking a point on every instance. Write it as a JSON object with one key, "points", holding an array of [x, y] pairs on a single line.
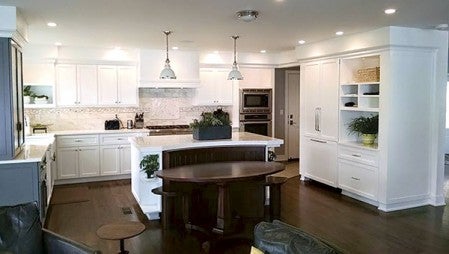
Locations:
{"points": [[301, 41], [175, 48], [51, 24], [390, 11], [263, 51], [339, 33], [58, 43]]}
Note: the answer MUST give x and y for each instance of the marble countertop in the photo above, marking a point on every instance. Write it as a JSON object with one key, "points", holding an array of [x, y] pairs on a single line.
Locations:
{"points": [[86, 132], [33, 150], [175, 142]]}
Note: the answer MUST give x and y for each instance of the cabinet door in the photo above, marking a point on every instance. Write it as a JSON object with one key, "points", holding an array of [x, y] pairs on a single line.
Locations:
{"points": [[319, 160], [125, 159], [88, 161], [223, 88], [66, 85], [205, 94], [67, 160], [127, 85], [215, 88], [328, 100], [110, 160], [87, 84], [256, 78], [107, 85], [310, 75]]}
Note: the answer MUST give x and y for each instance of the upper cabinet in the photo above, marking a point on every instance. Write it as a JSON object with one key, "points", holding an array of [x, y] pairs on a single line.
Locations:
{"points": [[215, 89], [185, 64], [38, 80], [91, 85], [117, 85], [257, 78], [76, 85]]}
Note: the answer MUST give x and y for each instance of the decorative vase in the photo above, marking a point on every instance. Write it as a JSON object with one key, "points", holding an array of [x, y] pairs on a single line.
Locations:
{"points": [[150, 175], [212, 132], [368, 139]]}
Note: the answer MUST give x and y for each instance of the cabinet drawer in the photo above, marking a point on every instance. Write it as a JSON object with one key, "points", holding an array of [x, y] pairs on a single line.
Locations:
{"points": [[79, 140], [359, 155], [358, 178], [115, 139]]}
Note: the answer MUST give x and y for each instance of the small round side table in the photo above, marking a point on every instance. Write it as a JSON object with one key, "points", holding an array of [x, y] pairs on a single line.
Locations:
{"points": [[120, 231]]}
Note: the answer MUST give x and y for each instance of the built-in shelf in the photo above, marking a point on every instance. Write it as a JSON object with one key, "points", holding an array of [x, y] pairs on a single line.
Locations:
{"points": [[356, 144], [360, 109]]}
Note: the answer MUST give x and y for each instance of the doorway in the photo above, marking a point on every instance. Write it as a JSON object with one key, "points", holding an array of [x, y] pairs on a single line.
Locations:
{"points": [[292, 82]]}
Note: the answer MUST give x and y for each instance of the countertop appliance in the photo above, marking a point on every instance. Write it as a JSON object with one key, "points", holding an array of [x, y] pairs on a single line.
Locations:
{"points": [[255, 101], [112, 124], [158, 130]]}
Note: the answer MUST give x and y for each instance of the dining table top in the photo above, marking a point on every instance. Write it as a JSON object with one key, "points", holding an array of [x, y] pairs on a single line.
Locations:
{"points": [[220, 171]]}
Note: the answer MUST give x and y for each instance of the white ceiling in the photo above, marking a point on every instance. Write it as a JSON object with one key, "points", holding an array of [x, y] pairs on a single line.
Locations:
{"points": [[208, 24]]}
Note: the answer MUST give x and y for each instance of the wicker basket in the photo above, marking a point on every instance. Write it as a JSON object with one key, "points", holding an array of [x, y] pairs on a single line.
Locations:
{"points": [[368, 75]]}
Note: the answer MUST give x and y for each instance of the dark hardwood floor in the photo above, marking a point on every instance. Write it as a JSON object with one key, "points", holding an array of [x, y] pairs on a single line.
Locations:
{"points": [[353, 226]]}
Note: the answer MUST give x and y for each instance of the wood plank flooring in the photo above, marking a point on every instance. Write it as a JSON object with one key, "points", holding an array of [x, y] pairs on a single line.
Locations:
{"points": [[353, 226]]}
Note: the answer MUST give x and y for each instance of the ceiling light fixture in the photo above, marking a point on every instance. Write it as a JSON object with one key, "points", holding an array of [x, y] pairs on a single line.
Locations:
{"points": [[58, 44], [339, 33], [390, 11], [247, 15], [301, 41], [51, 24], [167, 72], [235, 73], [174, 48], [263, 51]]}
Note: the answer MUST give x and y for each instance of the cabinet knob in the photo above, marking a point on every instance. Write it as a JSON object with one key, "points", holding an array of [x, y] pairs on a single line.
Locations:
{"points": [[355, 178]]}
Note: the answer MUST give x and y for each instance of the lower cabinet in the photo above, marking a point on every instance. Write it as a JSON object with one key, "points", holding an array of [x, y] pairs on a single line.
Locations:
{"points": [[358, 178], [115, 159], [76, 162], [319, 160]]}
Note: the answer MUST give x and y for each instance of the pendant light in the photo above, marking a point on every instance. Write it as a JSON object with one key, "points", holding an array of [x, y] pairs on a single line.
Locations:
{"points": [[167, 72], [235, 73]]}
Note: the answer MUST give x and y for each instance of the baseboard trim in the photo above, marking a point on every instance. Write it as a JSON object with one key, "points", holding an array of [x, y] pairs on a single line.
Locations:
{"points": [[92, 179]]}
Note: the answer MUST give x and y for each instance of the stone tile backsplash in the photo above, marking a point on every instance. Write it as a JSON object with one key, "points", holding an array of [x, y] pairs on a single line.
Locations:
{"points": [[160, 107]]}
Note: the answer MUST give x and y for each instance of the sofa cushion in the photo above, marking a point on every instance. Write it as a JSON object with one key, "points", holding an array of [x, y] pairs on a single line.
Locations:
{"points": [[20, 229], [279, 237]]}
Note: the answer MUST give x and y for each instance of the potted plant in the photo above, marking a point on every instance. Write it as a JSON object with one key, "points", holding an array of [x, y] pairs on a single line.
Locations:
{"points": [[150, 164], [213, 125], [41, 99], [27, 94], [366, 127]]}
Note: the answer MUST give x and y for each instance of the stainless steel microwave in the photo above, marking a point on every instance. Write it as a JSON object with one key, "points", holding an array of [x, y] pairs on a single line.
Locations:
{"points": [[255, 100]]}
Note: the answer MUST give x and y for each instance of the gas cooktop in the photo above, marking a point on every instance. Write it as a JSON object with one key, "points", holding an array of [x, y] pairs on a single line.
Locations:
{"points": [[168, 129]]}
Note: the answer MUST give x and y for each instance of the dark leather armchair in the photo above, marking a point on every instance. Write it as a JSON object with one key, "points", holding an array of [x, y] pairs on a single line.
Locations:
{"points": [[21, 232]]}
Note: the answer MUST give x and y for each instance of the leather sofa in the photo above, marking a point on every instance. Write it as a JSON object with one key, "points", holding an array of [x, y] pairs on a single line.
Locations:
{"points": [[21, 232], [278, 237]]}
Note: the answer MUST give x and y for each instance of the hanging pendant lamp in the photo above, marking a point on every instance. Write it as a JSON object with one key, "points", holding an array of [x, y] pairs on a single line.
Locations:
{"points": [[235, 73], [167, 72]]}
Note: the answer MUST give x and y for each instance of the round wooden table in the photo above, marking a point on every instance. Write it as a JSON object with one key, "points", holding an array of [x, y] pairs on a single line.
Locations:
{"points": [[221, 174], [120, 231]]}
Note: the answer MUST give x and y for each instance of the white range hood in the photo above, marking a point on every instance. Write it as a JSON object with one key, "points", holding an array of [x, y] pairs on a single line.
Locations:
{"points": [[184, 63]]}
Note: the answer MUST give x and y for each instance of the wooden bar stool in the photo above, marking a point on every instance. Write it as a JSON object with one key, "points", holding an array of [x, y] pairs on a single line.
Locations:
{"points": [[120, 231]]}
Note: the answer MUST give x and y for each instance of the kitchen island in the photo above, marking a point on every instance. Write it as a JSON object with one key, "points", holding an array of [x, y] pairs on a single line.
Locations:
{"points": [[178, 150]]}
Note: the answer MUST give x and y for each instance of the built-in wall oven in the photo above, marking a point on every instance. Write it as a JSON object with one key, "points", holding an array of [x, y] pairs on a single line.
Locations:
{"points": [[256, 123], [255, 111], [255, 101]]}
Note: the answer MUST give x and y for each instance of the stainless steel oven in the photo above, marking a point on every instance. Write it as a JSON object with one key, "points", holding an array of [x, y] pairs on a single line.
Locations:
{"points": [[256, 123], [255, 101]]}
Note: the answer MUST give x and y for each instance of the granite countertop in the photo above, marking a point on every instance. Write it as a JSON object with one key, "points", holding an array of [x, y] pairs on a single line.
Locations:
{"points": [[174, 142]]}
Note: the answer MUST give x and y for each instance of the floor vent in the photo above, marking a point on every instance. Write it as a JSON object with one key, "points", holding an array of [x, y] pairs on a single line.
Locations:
{"points": [[126, 210]]}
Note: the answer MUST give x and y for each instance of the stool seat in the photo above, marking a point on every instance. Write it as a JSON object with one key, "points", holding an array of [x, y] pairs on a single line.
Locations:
{"points": [[120, 231]]}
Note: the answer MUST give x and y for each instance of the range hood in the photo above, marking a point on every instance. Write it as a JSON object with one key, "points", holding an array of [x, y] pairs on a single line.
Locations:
{"points": [[184, 63]]}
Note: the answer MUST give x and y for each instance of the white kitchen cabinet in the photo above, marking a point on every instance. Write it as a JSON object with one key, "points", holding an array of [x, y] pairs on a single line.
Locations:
{"points": [[319, 97], [117, 85], [358, 178], [77, 156], [319, 160], [215, 88], [115, 154], [256, 78], [76, 85]]}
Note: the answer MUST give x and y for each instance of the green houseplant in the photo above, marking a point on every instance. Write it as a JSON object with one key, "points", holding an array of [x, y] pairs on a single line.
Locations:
{"points": [[366, 127], [212, 125], [150, 164]]}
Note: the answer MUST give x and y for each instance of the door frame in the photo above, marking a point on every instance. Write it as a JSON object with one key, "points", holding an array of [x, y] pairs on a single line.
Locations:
{"points": [[287, 110]]}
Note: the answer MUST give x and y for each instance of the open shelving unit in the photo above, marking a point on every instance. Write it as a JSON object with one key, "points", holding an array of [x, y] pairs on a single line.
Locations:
{"points": [[357, 97]]}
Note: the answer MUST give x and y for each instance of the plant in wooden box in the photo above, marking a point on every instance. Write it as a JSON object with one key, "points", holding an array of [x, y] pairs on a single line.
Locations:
{"points": [[150, 164], [213, 125], [366, 127]]}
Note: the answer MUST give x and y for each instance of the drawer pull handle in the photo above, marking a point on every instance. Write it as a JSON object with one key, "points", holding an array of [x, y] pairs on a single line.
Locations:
{"points": [[318, 141], [78, 140], [354, 178], [120, 139], [357, 155]]}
